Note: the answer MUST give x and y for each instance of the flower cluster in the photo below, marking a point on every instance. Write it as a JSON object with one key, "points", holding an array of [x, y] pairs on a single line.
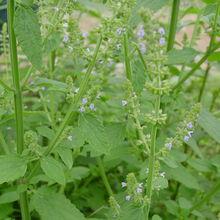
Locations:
{"points": [[134, 190]]}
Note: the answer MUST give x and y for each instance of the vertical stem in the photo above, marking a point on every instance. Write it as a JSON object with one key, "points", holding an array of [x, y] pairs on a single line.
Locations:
{"points": [[127, 60], [204, 83], [152, 155], [173, 24], [212, 41], [17, 101], [104, 177]]}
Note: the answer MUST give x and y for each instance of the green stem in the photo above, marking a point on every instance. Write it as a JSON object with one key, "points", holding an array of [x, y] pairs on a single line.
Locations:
{"points": [[204, 83], [143, 61], [152, 156], [27, 77], [208, 196], [8, 88], [104, 177], [18, 101], [52, 98], [196, 67], [127, 60], [173, 24], [212, 41], [70, 112]]}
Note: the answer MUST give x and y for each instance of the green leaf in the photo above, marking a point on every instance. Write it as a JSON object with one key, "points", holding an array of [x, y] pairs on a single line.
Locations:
{"points": [[116, 133], [77, 173], [27, 30], [156, 217], [182, 175], [215, 56], [210, 124], [9, 197], [45, 132], [53, 169], [66, 155], [94, 132], [12, 167], [192, 143], [52, 42], [138, 76], [160, 183], [200, 165], [52, 85], [55, 206], [154, 5], [183, 56], [26, 2], [184, 203]]}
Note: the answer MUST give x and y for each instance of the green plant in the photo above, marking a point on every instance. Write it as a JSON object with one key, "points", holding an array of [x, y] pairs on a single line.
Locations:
{"points": [[119, 121]]}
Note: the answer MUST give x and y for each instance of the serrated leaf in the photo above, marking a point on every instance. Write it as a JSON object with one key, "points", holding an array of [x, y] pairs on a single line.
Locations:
{"points": [[77, 173], [138, 76], [12, 167], [183, 56], [27, 30], [53, 169], [116, 133], [210, 124], [54, 206], [66, 155], [94, 133], [52, 42], [182, 175]]}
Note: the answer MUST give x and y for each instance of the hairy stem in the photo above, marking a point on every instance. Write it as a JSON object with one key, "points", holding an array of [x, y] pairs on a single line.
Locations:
{"points": [[18, 101], [104, 177], [212, 41], [173, 24], [152, 155], [70, 112], [196, 67], [204, 82]]}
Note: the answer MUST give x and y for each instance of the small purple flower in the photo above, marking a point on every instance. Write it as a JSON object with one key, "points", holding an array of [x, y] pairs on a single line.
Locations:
{"points": [[169, 146], [123, 184], [141, 32], [92, 107], [82, 109], [84, 101], [142, 48], [162, 41], [161, 31], [127, 198], [119, 31], [190, 125], [85, 34], [186, 138], [65, 38]]}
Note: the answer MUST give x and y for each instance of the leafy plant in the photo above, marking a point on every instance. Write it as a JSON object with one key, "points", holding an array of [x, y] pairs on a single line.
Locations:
{"points": [[116, 121]]}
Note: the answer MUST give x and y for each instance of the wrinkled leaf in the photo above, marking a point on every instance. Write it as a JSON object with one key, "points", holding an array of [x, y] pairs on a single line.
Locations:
{"points": [[27, 30], [54, 206], [53, 169], [12, 167]]}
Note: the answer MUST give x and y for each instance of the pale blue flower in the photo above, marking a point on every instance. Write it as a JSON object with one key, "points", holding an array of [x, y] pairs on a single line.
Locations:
{"points": [[162, 41]]}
